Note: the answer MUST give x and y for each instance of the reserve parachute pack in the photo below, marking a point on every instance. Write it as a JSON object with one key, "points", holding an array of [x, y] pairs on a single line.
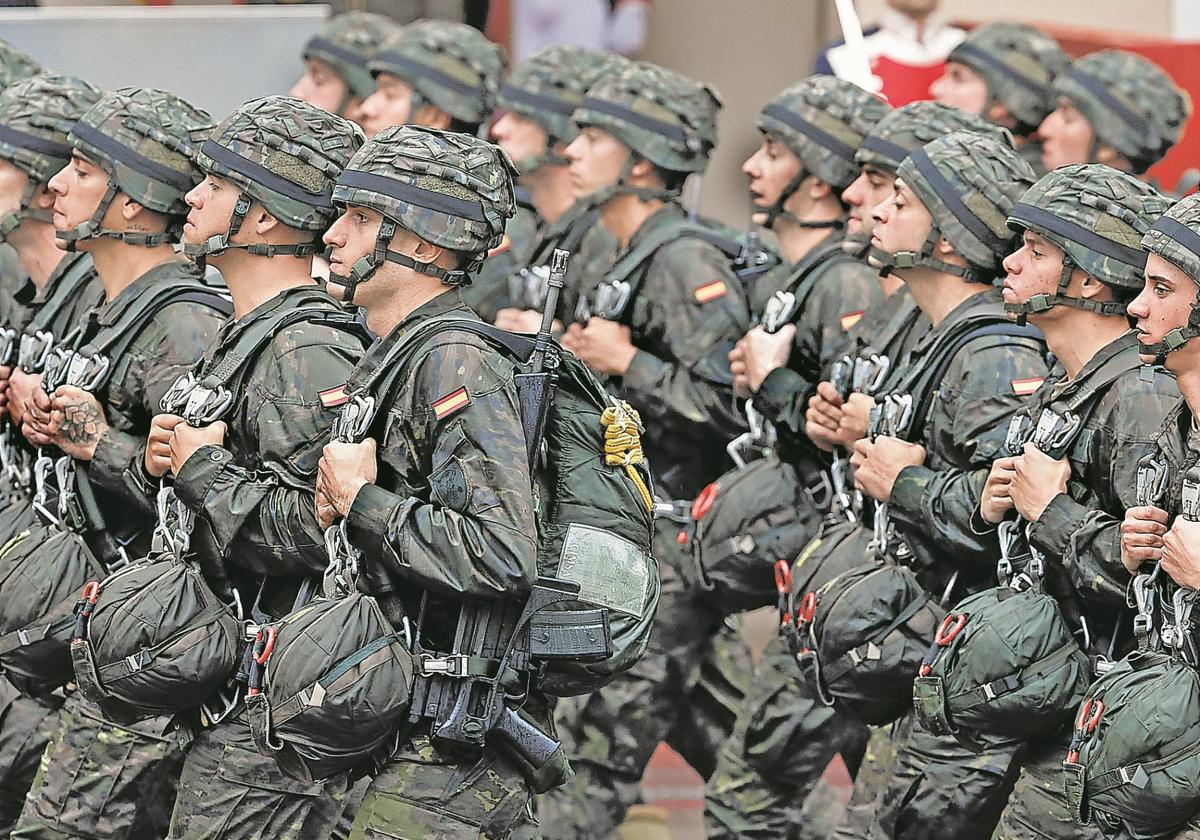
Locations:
{"points": [[40, 579], [587, 618], [154, 638], [1005, 662]]}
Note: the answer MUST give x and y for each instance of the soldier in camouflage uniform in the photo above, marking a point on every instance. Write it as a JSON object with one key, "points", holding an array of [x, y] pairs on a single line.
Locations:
{"points": [[335, 75], [14, 66], [537, 101], [664, 342], [248, 477], [1113, 107], [439, 501], [1003, 73], [36, 115], [434, 73], [121, 200]]}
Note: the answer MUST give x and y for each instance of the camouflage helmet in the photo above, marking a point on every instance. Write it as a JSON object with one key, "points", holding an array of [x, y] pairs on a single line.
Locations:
{"points": [[36, 115], [450, 65], [1130, 102], [823, 121], [1175, 236], [15, 65], [286, 155], [347, 43], [909, 127], [146, 141], [450, 189], [1097, 216], [969, 183], [548, 86], [1019, 62], [662, 116]]}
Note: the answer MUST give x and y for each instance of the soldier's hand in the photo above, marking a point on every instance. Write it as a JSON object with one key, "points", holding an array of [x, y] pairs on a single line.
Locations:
{"points": [[878, 463], [1037, 479], [519, 320], [604, 346], [996, 501], [5, 374], [21, 387], [856, 418], [1142, 536], [158, 443], [824, 417], [1181, 552], [186, 439], [737, 367], [344, 469], [76, 422], [765, 352]]}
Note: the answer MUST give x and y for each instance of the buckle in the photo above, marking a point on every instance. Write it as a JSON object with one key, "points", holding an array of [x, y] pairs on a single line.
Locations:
{"points": [[175, 398], [86, 372], [453, 666], [206, 405]]}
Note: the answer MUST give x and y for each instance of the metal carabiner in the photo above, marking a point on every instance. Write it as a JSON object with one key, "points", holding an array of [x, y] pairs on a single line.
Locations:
{"points": [[175, 398], [1152, 478]]}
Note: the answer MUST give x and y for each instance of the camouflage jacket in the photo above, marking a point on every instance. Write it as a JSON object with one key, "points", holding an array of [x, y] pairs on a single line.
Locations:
{"points": [[452, 510], [254, 495], [166, 347], [488, 292], [986, 382], [593, 250], [686, 312], [16, 290], [72, 312]]}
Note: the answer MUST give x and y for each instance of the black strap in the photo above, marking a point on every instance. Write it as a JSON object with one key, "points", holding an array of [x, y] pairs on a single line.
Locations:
{"points": [[803, 278], [67, 288]]}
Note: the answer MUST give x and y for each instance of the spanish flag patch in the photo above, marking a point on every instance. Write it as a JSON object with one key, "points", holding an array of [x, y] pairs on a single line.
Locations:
{"points": [[1025, 387], [504, 245], [451, 403], [714, 290], [851, 318], [333, 397]]}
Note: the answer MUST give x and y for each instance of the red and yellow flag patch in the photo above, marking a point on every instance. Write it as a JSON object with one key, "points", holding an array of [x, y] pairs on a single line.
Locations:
{"points": [[851, 318], [333, 397], [1025, 387], [713, 290], [449, 404]]}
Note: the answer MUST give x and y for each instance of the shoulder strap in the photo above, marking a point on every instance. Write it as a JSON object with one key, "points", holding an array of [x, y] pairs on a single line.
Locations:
{"points": [[804, 275], [69, 286], [629, 262], [116, 338]]}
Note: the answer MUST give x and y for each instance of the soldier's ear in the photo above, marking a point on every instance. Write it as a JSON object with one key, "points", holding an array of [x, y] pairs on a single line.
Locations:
{"points": [[817, 189], [264, 222], [426, 252], [431, 116], [1106, 154]]}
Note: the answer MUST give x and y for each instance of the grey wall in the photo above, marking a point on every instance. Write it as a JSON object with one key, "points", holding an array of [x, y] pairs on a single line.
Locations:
{"points": [[214, 56]]}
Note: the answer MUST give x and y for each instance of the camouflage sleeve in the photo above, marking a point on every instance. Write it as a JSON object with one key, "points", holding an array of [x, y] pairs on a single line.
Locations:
{"points": [[1082, 526], [965, 430], [168, 348], [263, 516], [470, 530], [843, 293], [694, 310]]}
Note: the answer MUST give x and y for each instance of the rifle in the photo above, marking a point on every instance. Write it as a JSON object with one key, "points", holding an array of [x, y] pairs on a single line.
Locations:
{"points": [[535, 389]]}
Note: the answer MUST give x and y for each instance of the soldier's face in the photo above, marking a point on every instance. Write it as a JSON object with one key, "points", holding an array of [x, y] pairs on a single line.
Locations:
{"points": [[12, 186], [901, 221], [320, 85], [1033, 269], [351, 237], [1067, 136], [872, 186], [962, 88], [1164, 304], [78, 188], [389, 105], [519, 136], [770, 170], [211, 202], [596, 160]]}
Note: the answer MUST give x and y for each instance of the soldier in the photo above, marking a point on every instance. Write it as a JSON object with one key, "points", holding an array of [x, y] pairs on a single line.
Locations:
{"points": [[36, 114], [534, 129], [434, 73], [438, 501], [248, 474], [660, 324], [120, 199], [14, 66], [1003, 72], [1113, 107], [335, 75]]}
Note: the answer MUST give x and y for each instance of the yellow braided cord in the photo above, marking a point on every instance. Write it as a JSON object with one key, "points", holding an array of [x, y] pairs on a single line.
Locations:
{"points": [[623, 445]]}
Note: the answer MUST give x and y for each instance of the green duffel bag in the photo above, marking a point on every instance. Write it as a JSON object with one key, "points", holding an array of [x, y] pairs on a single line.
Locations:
{"points": [[152, 639], [839, 547], [42, 571], [1003, 663], [742, 525], [862, 636], [330, 684], [1134, 764]]}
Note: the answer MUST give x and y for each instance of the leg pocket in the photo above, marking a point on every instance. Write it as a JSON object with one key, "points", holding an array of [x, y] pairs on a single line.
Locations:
{"points": [[392, 817]]}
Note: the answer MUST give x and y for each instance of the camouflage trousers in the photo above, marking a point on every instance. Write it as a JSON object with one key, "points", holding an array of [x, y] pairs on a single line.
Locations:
{"points": [[229, 791], [685, 690], [935, 789], [1037, 808], [25, 727], [781, 744], [425, 793], [101, 781]]}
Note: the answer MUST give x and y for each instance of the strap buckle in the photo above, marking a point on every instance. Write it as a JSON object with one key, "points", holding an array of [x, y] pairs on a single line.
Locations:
{"points": [[354, 419], [35, 349], [87, 372], [206, 404], [779, 311], [453, 665]]}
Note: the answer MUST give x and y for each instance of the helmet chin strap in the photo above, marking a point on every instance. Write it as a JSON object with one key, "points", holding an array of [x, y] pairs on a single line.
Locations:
{"points": [[1176, 338], [1044, 302], [11, 221], [223, 242], [93, 229], [621, 187], [776, 212], [887, 263], [365, 267]]}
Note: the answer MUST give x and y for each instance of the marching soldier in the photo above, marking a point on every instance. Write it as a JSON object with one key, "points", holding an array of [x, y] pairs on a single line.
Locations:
{"points": [[335, 74]]}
